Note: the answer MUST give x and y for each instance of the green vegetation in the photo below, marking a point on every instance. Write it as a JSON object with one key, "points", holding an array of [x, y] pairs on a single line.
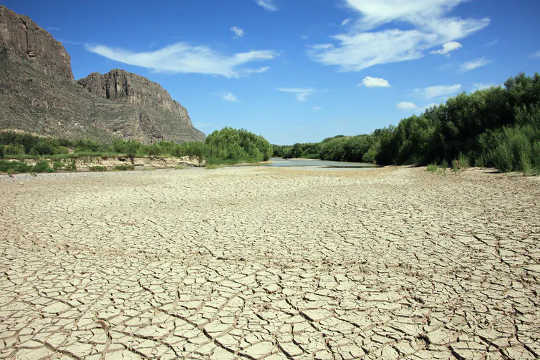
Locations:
{"points": [[226, 146], [229, 146], [497, 127], [124, 167], [14, 167], [97, 168]]}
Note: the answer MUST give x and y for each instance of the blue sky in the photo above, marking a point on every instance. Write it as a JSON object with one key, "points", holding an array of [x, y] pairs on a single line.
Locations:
{"points": [[299, 70]]}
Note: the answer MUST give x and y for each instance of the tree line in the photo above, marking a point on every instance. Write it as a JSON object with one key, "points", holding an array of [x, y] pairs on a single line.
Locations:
{"points": [[496, 127], [225, 146]]}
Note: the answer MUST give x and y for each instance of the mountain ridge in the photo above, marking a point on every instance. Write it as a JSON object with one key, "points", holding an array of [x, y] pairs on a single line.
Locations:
{"points": [[39, 94]]}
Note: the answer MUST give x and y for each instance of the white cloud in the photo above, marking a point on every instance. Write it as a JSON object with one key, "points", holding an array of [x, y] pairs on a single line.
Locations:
{"points": [[448, 48], [363, 47], [267, 5], [238, 32], [383, 11], [229, 97], [370, 82], [257, 71], [185, 58], [406, 105], [431, 92], [345, 21], [317, 108], [536, 55], [301, 94], [474, 64]]}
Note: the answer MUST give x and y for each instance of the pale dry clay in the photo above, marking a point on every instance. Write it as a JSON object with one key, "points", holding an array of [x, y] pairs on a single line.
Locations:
{"points": [[268, 263]]}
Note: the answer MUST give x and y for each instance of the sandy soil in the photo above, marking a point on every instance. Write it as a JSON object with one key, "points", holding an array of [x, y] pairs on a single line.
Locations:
{"points": [[270, 263]]}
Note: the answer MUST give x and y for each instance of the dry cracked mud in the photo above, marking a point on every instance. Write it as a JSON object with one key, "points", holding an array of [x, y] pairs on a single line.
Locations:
{"points": [[270, 263]]}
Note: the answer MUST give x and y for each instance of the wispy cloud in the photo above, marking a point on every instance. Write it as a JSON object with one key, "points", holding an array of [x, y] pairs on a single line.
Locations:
{"points": [[316, 108], [257, 71], [474, 64], [229, 96], [186, 58], [268, 5], [406, 106], [302, 94], [363, 47], [536, 55], [448, 47], [238, 32], [370, 82], [432, 92], [345, 21]]}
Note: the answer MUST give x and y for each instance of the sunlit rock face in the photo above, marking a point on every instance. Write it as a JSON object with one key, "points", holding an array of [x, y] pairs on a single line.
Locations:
{"points": [[38, 93]]}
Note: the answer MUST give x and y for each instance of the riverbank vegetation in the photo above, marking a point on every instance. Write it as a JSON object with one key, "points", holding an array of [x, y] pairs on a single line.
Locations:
{"points": [[496, 127], [226, 146]]}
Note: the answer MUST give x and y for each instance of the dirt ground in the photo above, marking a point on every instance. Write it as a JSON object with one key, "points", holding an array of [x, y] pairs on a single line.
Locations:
{"points": [[270, 263]]}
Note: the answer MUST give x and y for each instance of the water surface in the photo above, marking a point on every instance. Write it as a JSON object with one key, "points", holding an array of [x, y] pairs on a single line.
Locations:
{"points": [[279, 162]]}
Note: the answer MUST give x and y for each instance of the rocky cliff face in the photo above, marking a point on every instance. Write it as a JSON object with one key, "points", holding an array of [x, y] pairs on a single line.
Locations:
{"points": [[25, 39], [127, 88], [38, 93]]}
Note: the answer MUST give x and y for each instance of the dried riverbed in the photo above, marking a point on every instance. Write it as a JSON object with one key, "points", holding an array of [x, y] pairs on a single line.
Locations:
{"points": [[270, 263]]}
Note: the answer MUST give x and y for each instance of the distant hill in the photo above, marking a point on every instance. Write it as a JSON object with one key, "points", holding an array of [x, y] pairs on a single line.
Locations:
{"points": [[38, 93]]}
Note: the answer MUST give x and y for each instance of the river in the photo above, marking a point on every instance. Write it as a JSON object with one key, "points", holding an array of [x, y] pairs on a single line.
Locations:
{"points": [[280, 162]]}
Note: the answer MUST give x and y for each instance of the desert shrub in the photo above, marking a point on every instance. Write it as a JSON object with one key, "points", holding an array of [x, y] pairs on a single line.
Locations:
{"points": [[501, 157], [58, 165], [432, 168], [128, 147], [14, 149], [42, 166], [525, 163], [42, 148], [90, 146], [72, 166], [460, 163], [97, 168], [14, 167], [124, 167], [154, 150], [61, 150]]}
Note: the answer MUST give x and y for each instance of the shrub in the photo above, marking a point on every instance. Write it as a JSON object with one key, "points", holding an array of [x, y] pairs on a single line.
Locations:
{"points": [[42, 148], [58, 165], [525, 163], [97, 168], [460, 163], [14, 149], [502, 157], [232, 146], [61, 150], [14, 167], [42, 166], [72, 166], [432, 168], [124, 167]]}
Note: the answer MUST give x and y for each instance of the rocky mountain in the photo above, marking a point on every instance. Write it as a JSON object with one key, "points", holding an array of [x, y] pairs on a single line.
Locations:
{"points": [[38, 93]]}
